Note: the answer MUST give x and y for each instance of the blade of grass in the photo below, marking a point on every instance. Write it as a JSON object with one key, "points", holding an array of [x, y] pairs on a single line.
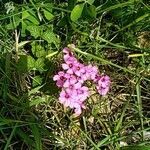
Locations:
{"points": [[85, 134], [10, 137], [119, 124], [98, 9], [25, 137], [139, 103], [100, 143], [106, 61], [37, 136], [135, 22]]}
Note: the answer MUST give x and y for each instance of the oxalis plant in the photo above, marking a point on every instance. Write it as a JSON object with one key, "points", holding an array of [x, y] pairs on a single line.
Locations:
{"points": [[72, 81]]}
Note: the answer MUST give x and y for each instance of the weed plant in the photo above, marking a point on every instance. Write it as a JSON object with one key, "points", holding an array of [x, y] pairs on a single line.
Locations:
{"points": [[113, 35]]}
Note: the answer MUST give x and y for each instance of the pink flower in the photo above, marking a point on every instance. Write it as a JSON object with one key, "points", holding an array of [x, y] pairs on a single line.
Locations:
{"points": [[66, 50], [81, 79], [74, 93], [70, 79], [104, 81], [68, 67], [91, 72], [78, 111], [102, 91], [74, 67], [69, 99], [70, 64], [68, 58], [103, 85], [65, 98], [79, 69], [83, 93], [78, 108], [60, 78]]}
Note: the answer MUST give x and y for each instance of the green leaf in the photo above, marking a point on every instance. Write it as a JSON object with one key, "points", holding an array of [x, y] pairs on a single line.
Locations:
{"points": [[50, 37], [25, 13], [48, 6], [36, 47], [34, 30], [92, 11], [39, 65], [29, 14], [38, 50], [30, 63], [37, 80], [14, 23], [22, 64], [33, 18], [25, 63], [41, 53], [48, 15], [90, 1], [77, 12], [23, 29]]}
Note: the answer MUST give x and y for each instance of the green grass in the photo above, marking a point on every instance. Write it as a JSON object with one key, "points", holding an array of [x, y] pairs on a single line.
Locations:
{"points": [[114, 35]]}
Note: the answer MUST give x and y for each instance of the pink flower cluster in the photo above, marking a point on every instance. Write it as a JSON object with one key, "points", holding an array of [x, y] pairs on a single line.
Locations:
{"points": [[72, 79]]}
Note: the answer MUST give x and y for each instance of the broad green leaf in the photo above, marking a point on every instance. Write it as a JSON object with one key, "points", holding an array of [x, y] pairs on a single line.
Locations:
{"points": [[38, 50], [34, 30], [14, 23], [25, 14], [90, 1], [77, 12], [41, 53], [29, 14], [33, 18], [48, 6], [22, 64], [31, 63], [92, 11], [37, 80], [25, 63], [50, 37], [23, 29], [48, 15], [39, 65], [11, 26]]}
